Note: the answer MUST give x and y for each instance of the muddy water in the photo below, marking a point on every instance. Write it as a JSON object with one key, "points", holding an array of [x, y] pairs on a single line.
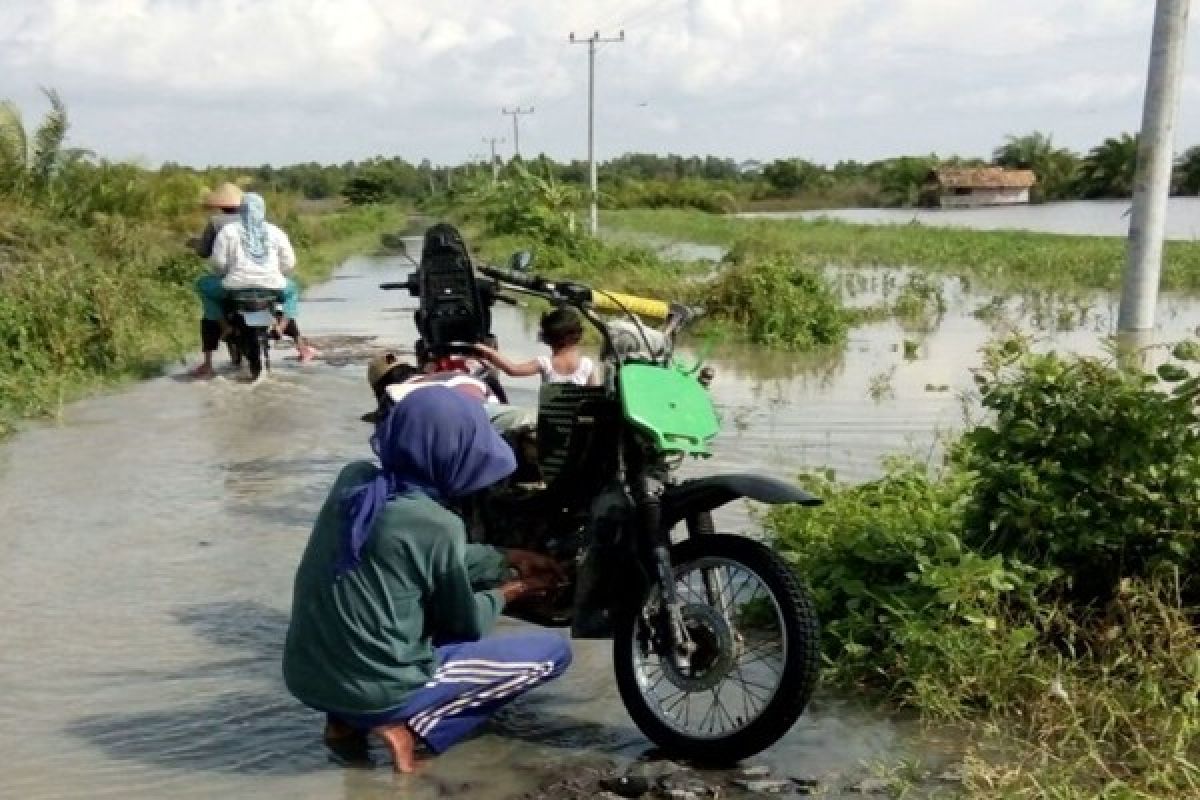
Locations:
{"points": [[150, 535]]}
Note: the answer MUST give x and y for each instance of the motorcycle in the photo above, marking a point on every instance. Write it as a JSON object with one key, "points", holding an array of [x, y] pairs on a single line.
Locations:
{"points": [[251, 313], [715, 638]]}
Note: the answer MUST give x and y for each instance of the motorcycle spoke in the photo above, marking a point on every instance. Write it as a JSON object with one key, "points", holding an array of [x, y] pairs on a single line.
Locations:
{"points": [[679, 700]]}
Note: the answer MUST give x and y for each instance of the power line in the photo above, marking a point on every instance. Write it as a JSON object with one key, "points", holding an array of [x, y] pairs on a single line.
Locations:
{"points": [[492, 141], [592, 41], [516, 114]]}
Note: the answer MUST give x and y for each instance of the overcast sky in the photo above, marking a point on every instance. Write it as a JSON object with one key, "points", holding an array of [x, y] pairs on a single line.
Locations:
{"points": [[281, 81]]}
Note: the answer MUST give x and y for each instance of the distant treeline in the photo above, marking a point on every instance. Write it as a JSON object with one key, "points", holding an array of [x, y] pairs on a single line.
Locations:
{"points": [[644, 180]]}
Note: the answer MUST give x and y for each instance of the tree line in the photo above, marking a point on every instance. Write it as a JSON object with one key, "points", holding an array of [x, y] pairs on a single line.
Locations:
{"points": [[34, 162]]}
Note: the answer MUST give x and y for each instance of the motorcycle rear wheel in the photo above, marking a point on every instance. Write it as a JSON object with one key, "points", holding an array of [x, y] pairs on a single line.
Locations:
{"points": [[252, 351], [756, 662]]}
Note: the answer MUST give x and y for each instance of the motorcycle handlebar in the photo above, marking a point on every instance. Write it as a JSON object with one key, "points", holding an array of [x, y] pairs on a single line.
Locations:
{"points": [[393, 285], [530, 282], [599, 298]]}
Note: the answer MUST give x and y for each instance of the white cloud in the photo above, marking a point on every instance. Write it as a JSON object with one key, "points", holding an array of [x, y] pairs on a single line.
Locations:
{"points": [[332, 79]]}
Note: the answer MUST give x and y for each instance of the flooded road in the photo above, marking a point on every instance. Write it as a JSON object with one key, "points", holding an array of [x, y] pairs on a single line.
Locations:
{"points": [[150, 539]]}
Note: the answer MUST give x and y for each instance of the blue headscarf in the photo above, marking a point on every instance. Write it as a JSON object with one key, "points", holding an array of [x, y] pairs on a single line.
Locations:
{"points": [[436, 441], [253, 215]]}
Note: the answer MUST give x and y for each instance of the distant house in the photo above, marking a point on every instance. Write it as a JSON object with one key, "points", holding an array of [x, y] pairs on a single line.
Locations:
{"points": [[969, 187]]}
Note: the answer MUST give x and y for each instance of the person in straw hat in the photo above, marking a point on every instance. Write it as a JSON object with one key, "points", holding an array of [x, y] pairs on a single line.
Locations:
{"points": [[245, 251]]}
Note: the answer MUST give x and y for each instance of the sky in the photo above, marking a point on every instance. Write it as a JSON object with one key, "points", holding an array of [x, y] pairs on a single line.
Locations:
{"points": [[282, 81]]}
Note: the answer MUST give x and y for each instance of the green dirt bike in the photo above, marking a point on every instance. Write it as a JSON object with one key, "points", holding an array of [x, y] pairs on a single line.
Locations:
{"points": [[714, 637]]}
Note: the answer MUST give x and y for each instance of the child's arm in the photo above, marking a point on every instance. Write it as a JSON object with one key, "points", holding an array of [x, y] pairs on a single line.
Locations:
{"points": [[513, 369]]}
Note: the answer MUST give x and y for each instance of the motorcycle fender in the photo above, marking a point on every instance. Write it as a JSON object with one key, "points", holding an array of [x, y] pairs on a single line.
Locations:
{"points": [[699, 495]]}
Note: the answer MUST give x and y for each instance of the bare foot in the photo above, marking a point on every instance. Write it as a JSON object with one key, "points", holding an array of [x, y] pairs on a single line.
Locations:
{"points": [[402, 744], [307, 353]]}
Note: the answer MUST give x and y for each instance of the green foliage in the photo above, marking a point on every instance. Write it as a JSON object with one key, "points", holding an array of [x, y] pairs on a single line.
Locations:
{"points": [[29, 164], [1087, 468], [902, 600], [921, 301], [1108, 169], [1055, 167], [1045, 580], [702, 195], [779, 302], [526, 204], [791, 174], [1187, 172]]}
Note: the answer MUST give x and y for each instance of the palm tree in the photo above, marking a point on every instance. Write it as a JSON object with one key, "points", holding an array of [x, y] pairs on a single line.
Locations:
{"points": [[27, 168], [1055, 167], [1109, 168]]}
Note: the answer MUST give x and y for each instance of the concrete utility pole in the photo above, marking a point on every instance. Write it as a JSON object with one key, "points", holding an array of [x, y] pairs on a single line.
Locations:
{"points": [[591, 42], [516, 114], [492, 140], [1155, 157]]}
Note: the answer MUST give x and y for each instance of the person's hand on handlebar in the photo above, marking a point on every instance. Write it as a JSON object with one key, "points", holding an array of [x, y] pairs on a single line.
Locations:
{"points": [[513, 369]]}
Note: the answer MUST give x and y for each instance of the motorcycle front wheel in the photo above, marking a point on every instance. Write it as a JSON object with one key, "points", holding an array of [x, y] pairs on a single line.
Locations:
{"points": [[754, 661]]}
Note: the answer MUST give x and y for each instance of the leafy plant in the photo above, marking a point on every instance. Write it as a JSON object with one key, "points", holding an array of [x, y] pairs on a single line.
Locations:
{"points": [[1088, 468], [779, 302]]}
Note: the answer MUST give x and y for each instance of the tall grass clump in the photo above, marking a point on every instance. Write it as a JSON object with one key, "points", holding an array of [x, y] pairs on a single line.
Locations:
{"points": [[1044, 584]]}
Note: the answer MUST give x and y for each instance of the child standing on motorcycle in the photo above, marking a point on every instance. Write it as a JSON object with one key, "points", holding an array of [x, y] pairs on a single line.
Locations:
{"points": [[561, 330]]}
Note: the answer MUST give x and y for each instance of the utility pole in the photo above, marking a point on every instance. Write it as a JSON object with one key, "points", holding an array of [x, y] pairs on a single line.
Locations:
{"points": [[516, 114], [591, 42], [493, 140], [1152, 182]]}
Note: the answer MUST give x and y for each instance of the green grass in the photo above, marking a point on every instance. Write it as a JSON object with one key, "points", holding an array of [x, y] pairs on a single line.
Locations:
{"points": [[1004, 259], [83, 307]]}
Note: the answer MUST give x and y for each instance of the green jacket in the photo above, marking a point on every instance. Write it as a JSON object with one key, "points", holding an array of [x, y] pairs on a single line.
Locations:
{"points": [[362, 642]]}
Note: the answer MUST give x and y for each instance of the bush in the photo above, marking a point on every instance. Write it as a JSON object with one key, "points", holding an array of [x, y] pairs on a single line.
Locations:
{"points": [[778, 302], [1046, 576], [1088, 468], [906, 606]]}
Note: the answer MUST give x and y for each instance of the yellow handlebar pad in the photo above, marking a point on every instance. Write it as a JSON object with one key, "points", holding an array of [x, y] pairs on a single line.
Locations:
{"points": [[615, 301]]}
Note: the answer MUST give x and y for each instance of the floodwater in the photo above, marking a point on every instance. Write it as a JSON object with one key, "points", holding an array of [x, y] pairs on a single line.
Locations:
{"points": [[150, 537], [1090, 217]]}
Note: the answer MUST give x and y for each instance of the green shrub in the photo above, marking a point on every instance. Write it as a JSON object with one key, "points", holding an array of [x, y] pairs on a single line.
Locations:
{"points": [[778, 302], [1044, 577], [905, 605], [1088, 468]]}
